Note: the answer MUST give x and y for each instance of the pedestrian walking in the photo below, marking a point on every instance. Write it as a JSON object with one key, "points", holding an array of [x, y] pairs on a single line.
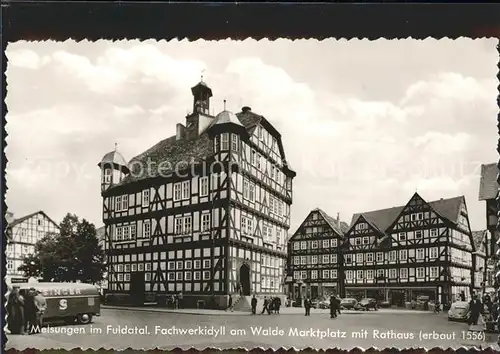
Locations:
{"points": [[29, 310], [41, 307], [266, 305], [254, 305], [475, 308], [179, 302], [337, 303], [333, 307], [307, 306], [230, 303]]}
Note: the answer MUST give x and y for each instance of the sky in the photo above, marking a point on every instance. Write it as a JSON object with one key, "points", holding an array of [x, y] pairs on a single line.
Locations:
{"points": [[365, 124]]}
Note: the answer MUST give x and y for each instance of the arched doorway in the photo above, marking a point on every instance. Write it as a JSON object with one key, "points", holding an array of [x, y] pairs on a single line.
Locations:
{"points": [[245, 279]]}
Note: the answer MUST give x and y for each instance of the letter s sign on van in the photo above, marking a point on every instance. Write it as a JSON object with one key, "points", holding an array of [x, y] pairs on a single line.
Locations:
{"points": [[63, 304]]}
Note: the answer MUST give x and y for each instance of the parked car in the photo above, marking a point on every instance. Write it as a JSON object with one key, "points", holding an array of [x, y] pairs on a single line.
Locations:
{"points": [[384, 304], [366, 304], [459, 311], [348, 303], [324, 304]]}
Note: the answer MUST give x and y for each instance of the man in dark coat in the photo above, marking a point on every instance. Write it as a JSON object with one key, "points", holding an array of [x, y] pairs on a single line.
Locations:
{"points": [[475, 308], [307, 306], [337, 303], [230, 303], [254, 305], [278, 305], [266, 305], [30, 311], [15, 311], [333, 306]]}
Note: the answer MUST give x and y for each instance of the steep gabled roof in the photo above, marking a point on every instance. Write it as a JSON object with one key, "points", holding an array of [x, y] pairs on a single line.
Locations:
{"points": [[333, 223], [488, 186], [26, 217], [382, 219]]}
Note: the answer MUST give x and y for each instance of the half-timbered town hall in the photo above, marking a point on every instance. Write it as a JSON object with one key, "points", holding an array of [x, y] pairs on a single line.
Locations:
{"points": [[314, 263], [203, 213], [402, 253]]}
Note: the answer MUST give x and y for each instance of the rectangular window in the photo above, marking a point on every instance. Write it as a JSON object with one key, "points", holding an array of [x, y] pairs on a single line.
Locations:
{"points": [[252, 157], [326, 274], [119, 233], [359, 274], [280, 208], [434, 253], [393, 273], [147, 229], [314, 274], [258, 162], [392, 256], [177, 192], [126, 233], [197, 264], [178, 226], [271, 205], [234, 142], [185, 190], [303, 245], [333, 258], [259, 130], [402, 236], [171, 276], [314, 244], [179, 265], [326, 259], [334, 242], [171, 265], [107, 176], [303, 274], [349, 275], [296, 245], [403, 255], [380, 257], [434, 272], [251, 192], [178, 276], [197, 276], [434, 232], [333, 273], [118, 204], [420, 253], [358, 241], [366, 240], [205, 222], [206, 263], [187, 225], [206, 275], [418, 234], [125, 202], [359, 258], [403, 273], [420, 272], [326, 243], [187, 276], [369, 274], [133, 232], [348, 259], [369, 257], [145, 197], [225, 141], [203, 186], [188, 264], [303, 260], [380, 274]]}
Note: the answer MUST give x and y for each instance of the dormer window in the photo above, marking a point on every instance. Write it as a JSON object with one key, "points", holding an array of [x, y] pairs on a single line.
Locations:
{"points": [[217, 143]]}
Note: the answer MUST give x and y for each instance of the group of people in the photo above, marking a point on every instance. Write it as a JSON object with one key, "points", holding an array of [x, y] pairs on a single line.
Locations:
{"points": [[25, 312], [176, 301], [271, 305], [334, 306]]}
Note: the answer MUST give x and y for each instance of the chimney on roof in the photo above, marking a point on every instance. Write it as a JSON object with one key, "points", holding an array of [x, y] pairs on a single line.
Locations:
{"points": [[180, 131], [246, 109], [338, 220]]}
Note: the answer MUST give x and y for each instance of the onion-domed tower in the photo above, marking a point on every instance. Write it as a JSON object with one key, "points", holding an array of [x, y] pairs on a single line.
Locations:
{"points": [[113, 169]]}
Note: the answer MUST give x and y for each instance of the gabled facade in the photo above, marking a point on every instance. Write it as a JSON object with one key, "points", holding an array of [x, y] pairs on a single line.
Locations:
{"points": [[488, 192], [483, 278], [22, 235], [200, 212], [314, 261], [420, 249]]}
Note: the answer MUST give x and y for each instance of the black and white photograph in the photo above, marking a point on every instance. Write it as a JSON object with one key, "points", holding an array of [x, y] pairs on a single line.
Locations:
{"points": [[251, 194]]}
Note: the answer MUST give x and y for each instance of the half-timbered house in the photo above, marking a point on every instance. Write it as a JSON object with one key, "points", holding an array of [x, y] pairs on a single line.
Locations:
{"points": [[22, 235], [314, 265], [488, 192], [401, 253], [482, 254], [204, 212]]}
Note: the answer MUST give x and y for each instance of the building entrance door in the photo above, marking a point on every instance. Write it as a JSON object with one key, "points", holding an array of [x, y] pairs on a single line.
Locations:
{"points": [[245, 279], [137, 288]]}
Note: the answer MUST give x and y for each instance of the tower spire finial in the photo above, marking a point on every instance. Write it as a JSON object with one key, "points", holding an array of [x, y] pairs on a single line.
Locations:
{"points": [[224, 104], [116, 146], [202, 74]]}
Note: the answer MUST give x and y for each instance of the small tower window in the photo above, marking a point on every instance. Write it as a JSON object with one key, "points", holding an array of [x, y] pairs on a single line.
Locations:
{"points": [[217, 143], [107, 176], [234, 142], [225, 141]]}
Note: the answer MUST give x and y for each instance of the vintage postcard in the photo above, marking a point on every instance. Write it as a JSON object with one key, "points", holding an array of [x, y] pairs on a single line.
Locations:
{"points": [[251, 194]]}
